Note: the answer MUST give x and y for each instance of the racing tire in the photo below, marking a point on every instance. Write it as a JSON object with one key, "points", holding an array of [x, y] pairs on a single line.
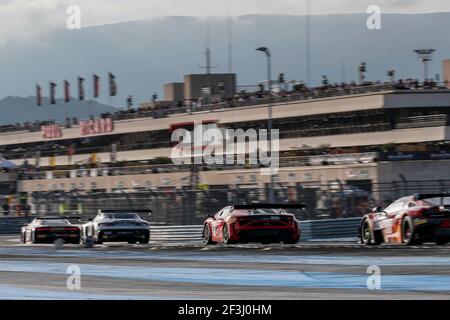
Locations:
{"points": [[226, 235], [23, 237], [207, 236], [366, 233], [145, 241], [408, 232]]}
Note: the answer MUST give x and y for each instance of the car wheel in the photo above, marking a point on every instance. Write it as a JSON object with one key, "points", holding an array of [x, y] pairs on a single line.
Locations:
{"points": [[226, 235], [408, 233], [207, 235], [145, 241], [22, 237], [366, 234]]}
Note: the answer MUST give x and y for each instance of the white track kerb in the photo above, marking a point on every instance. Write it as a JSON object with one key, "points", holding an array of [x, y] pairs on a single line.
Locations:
{"points": [[211, 145]]}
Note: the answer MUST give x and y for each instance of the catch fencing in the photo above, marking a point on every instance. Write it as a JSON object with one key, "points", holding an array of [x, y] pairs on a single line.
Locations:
{"points": [[334, 200]]}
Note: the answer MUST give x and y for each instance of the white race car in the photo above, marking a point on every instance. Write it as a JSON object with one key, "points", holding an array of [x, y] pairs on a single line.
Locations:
{"points": [[117, 226], [49, 229]]}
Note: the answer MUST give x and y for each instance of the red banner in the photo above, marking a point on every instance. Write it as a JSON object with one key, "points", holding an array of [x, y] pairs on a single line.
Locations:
{"points": [[51, 131], [96, 126]]}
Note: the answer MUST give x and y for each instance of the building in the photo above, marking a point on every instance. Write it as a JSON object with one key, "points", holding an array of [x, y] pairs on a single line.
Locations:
{"points": [[197, 86], [174, 91], [371, 139]]}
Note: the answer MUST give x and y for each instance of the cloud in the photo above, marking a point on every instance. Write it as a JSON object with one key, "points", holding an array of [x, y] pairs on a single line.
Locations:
{"points": [[27, 19]]}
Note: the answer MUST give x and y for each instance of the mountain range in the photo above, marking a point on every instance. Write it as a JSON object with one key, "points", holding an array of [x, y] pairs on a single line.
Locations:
{"points": [[20, 110]]}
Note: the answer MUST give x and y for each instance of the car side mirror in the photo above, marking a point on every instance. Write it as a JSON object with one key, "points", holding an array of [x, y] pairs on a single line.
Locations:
{"points": [[90, 219], [377, 209], [211, 215]]}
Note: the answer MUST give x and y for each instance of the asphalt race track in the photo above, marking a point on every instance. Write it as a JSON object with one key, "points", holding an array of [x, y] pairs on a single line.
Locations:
{"points": [[318, 270]]}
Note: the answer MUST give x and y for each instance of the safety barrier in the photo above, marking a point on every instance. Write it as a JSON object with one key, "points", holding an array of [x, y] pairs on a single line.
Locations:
{"points": [[12, 225], [311, 230]]}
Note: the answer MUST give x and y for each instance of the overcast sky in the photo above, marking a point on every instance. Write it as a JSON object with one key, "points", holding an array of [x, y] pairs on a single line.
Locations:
{"points": [[27, 18]]}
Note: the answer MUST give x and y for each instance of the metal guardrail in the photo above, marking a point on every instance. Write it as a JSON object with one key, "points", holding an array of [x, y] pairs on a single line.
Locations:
{"points": [[311, 230], [12, 225], [330, 229]]}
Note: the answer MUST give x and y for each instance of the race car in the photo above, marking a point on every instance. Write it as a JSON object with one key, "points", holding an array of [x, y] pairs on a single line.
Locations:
{"points": [[49, 229], [117, 226], [265, 223], [410, 220]]}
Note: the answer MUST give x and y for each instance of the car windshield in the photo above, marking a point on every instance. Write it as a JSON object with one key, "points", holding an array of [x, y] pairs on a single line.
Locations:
{"points": [[53, 222], [438, 201], [121, 216]]}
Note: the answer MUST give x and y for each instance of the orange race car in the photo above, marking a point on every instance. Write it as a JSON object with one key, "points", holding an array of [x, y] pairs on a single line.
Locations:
{"points": [[409, 220]]}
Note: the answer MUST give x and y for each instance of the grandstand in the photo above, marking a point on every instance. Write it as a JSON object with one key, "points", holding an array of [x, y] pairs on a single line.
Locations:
{"points": [[359, 138]]}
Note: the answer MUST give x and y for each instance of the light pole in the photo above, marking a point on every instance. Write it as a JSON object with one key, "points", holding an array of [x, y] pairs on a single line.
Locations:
{"points": [[362, 70], [269, 121], [425, 56]]}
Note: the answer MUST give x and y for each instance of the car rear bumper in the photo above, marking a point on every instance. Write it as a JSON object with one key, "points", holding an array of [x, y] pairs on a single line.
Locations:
{"points": [[123, 235], [432, 229], [49, 237], [261, 234]]}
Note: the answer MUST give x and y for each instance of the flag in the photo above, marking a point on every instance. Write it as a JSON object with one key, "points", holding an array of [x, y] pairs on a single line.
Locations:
{"points": [[66, 91], [80, 88], [52, 93], [112, 85], [96, 86], [38, 95], [70, 152], [129, 101]]}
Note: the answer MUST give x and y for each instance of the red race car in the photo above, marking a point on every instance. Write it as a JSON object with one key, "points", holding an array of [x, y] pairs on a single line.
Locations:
{"points": [[265, 223], [409, 220]]}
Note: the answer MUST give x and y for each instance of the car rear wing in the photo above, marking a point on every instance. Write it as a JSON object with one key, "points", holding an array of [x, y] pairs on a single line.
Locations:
{"points": [[148, 212], [423, 196], [254, 206], [58, 217]]}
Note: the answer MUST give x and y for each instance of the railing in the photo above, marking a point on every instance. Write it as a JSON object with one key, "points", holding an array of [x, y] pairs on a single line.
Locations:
{"points": [[422, 121], [353, 158], [316, 93]]}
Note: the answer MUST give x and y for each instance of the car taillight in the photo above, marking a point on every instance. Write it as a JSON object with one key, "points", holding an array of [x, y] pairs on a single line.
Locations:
{"points": [[43, 229], [72, 229]]}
